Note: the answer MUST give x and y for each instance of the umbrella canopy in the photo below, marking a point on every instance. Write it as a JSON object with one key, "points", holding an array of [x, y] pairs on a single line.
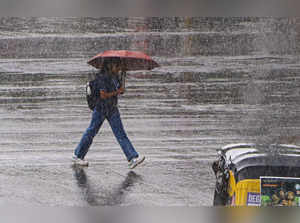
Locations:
{"points": [[132, 60]]}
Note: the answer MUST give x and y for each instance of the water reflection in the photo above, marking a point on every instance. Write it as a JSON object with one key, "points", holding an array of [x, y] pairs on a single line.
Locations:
{"points": [[84, 184], [96, 195]]}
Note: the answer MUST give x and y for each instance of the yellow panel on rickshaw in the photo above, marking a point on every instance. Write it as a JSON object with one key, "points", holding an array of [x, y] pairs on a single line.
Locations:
{"points": [[232, 184], [247, 193]]}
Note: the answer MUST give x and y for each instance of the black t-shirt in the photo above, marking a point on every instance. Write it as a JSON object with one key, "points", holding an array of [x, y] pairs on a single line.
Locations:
{"points": [[107, 83]]}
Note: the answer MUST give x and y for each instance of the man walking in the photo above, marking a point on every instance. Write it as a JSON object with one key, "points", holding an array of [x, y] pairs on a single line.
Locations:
{"points": [[108, 89]]}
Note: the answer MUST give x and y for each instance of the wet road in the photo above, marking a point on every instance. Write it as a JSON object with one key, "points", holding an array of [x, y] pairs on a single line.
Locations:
{"points": [[176, 115]]}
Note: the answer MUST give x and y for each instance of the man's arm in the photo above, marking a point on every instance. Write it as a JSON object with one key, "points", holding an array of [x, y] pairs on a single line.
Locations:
{"points": [[106, 95]]}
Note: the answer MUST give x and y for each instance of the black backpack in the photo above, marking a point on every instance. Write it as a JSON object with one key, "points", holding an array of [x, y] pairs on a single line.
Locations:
{"points": [[91, 94]]}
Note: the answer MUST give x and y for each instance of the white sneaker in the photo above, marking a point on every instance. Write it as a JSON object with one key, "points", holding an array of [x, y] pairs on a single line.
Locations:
{"points": [[79, 162], [135, 161]]}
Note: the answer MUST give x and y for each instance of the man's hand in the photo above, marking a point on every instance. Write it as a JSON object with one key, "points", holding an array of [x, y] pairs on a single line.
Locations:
{"points": [[121, 90]]}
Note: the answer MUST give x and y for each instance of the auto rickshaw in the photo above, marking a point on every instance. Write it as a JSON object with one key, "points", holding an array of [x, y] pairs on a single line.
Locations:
{"points": [[240, 168]]}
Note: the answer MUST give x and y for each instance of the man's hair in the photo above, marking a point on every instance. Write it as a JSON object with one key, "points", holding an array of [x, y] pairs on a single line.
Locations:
{"points": [[111, 60]]}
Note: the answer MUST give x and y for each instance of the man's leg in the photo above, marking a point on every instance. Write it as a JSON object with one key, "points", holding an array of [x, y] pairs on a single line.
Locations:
{"points": [[87, 138], [119, 132]]}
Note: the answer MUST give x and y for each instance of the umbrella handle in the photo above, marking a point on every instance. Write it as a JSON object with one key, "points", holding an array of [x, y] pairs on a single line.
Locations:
{"points": [[123, 79]]}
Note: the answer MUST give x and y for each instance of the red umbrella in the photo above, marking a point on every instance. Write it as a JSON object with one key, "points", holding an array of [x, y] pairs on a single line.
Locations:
{"points": [[133, 60]]}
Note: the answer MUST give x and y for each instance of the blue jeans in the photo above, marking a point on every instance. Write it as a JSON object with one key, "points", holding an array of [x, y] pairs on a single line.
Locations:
{"points": [[117, 128]]}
